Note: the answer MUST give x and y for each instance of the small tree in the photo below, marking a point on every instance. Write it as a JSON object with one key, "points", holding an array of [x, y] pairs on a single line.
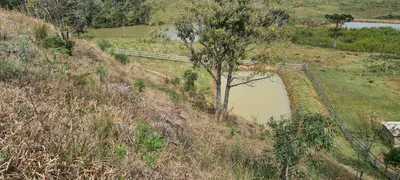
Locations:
{"points": [[190, 78], [369, 131], [337, 19], [296, 137], [226, 31], [392, 157]]}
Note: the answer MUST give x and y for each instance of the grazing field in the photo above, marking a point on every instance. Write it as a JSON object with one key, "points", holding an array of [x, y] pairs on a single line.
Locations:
{"points": [[309, 12]]}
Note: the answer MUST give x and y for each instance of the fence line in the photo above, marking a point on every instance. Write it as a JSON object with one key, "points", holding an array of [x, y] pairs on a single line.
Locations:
{"points": [[389, 172]]}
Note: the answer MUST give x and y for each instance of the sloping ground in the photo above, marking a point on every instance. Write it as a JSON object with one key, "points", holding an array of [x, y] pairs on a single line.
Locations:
{"points": [[78, 116]]}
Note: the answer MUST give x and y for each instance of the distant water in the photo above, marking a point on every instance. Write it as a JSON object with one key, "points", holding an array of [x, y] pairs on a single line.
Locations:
{"points": [[359, 25]]}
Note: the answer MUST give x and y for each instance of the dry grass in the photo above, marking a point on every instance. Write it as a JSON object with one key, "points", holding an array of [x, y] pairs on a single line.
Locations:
{"points": [[59, 121]]}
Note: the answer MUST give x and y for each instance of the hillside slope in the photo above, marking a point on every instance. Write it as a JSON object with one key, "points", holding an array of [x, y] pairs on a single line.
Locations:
{"points": [[78, 116]]}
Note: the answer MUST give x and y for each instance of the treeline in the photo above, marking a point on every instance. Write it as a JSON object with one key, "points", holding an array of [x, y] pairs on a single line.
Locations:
{"points": [[384, 39], [96, 13]]}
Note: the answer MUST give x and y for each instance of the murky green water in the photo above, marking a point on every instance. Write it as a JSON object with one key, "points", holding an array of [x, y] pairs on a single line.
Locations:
{"points": [[139, 31], [264, 99]]}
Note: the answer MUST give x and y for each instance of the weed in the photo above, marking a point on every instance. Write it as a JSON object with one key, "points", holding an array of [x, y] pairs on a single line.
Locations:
{"points": [[139, 84], [101, 72], [176, 97], [41, 32], [104, 44], [8, 70], [234, 130], [149, 144], [122, 58], [121, 150], [2, 157], [175, 81]]}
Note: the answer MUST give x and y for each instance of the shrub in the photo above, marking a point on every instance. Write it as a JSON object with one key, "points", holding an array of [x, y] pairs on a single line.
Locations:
{"points": [[104, 44], [122, 58], [58, 45], [190, 78], [139, 84], [392, 157], [149, 144], [175, 81], [8, 70], [41, 32]]}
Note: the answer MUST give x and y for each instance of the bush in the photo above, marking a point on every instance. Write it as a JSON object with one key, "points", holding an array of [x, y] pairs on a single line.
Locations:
{"points": [[139, 84], [175, 81], [59, 45], [8, 70], [41, 32], [190, 78], [104, 44], [122, 58], [392, 157]]}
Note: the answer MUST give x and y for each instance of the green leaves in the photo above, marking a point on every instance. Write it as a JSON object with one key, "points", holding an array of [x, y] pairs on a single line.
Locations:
{"points": [[392, 157], [297, 136], [149, 144]]}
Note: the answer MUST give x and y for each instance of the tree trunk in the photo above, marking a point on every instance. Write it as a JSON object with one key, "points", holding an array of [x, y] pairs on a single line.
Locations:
{"points": [[335, 36], [218, 93], [227, 90]]}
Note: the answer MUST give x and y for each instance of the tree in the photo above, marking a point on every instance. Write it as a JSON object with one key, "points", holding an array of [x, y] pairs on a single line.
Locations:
{"points": [[392, 157], [67, 16], [295, 138], [368, 130], [337, 19], [226, 30]]}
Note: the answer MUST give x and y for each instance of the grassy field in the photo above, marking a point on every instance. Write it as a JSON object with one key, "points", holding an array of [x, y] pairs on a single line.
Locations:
{"points": [[312, 12]]}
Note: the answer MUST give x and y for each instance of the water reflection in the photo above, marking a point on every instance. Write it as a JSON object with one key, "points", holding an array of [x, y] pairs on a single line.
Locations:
{"points": [[264, 99]]}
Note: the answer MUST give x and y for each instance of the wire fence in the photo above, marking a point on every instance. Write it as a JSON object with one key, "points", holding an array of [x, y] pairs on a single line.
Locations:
{"points": [[389, 171]]}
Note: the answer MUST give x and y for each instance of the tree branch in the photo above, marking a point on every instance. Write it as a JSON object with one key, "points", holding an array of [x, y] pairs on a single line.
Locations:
{"points": [[252, 80]]}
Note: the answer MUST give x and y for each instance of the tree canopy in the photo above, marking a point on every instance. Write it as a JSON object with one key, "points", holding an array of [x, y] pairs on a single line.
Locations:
{"points": [[226, 31], [296, 137], [337, 19]]}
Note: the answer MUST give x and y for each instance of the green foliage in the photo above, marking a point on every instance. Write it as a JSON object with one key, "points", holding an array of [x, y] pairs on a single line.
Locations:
{"points": [[176, 97], [382, 64], [8, 70], [149, 144], [101, 72], [390, 16], [139, 84], [41, 32], [2, 157], [121, 150], [383, 40], [58, 45], [234, 130], [122, 58], [176, 81], [110, 13], [190, 78], [392, 157], [104, 44], [296, 138]]}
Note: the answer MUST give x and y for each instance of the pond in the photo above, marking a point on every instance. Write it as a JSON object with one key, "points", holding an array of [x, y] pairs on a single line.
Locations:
{"points": [[262, 100], [138, 31], [359, 25]]}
